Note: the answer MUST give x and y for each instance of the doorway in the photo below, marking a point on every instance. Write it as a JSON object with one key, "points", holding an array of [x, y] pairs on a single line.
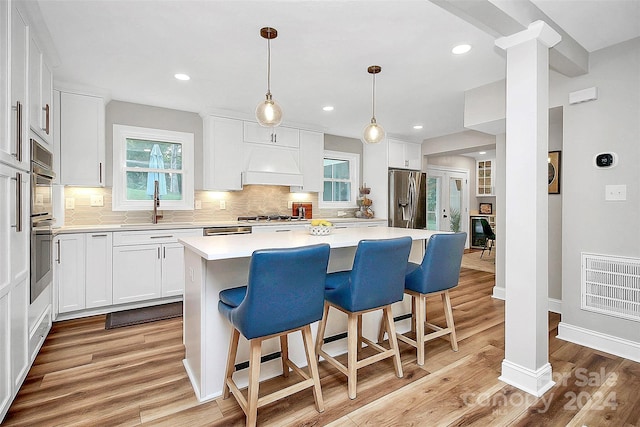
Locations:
{"points": [[447, 199]]}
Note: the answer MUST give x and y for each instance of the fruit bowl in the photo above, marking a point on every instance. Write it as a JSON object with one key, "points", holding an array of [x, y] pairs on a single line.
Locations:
{"points": [[320, 230]]}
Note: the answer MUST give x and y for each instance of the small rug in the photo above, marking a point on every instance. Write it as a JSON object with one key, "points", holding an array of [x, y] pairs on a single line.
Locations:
{"points": [[137, 316], [486, 263]]}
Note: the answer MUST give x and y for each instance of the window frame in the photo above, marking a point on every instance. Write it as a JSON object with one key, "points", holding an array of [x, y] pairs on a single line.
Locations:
{"points": [[119, 192], [354, 179]]}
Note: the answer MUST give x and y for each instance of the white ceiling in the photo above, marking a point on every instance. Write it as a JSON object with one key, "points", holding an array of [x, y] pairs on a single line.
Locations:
{"points": [[132, 49]]}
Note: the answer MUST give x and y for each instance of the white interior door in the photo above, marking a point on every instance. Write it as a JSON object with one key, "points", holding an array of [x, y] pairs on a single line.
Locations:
{"points": [[447, 199]]}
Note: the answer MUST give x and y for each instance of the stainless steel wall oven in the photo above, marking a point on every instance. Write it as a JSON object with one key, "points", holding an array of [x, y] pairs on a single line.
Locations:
{"points": [[42, 176]]}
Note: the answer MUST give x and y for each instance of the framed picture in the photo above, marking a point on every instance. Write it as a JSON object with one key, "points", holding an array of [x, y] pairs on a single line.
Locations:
{"points": [[554, 172], [485, 209]]}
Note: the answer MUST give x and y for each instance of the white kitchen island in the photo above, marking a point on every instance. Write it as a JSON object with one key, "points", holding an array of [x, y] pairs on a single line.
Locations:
{"points": [[214, 263]]}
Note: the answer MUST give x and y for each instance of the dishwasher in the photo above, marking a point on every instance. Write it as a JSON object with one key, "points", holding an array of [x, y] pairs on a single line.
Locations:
{"points": [[226, 230]]}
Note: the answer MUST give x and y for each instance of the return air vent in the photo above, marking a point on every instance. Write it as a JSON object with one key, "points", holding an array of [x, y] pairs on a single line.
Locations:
{"points": [[611, 285]]}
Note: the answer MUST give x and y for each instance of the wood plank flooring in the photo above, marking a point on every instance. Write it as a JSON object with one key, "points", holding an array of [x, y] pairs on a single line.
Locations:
{"points": [[88, 376]]}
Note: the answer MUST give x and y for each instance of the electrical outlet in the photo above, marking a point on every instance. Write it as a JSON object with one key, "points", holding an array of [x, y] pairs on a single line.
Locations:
{"points": [[97, 200], [615, 192], [223, 205], [198, 204], [290, 204], [39, 199], [70, 203]]}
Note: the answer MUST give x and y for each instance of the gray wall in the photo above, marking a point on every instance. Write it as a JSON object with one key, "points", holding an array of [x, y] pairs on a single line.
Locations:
{"points": [[591, 224], [126, 113], [555, 210]]}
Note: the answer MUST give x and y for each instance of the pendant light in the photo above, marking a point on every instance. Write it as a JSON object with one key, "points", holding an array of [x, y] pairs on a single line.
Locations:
{"points": [[268, 112], [373, 132]]}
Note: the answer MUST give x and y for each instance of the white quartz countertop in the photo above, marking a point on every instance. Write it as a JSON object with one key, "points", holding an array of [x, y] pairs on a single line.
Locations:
{"points": [[243, 245], [182, 225]]}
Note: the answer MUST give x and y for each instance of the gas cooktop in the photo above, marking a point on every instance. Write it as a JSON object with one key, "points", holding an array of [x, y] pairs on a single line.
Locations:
{"points": [[269, 218]]}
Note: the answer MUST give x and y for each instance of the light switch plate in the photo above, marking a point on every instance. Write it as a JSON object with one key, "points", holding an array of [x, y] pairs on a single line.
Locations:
{"points": [[69, 203], [615, 192], [198, 204], [223, 205]]}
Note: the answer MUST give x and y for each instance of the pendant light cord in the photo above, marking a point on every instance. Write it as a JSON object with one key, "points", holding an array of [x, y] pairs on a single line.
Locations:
{"points": [[373, 108], [268, 66]]}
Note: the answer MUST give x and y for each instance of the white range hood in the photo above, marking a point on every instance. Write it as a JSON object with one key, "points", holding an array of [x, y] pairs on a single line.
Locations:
{"points": [[271, 166]]}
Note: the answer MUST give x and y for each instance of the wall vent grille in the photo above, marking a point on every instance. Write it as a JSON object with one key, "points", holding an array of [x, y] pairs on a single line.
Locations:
{"points": [[611, 285]]}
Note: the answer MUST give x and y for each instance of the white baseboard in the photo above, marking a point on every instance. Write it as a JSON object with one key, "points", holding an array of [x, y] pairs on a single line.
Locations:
{"points": [[555, 305], [533, 382], [598, 341]]}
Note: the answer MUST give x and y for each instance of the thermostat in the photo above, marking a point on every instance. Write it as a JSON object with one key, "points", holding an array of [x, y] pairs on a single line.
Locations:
{"points": [[606, 160]]}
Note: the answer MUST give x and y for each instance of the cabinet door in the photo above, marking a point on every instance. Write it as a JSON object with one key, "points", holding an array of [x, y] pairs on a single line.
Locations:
{"points": [[396, 154], [413, 155], [6, 384], [222, 166], [19, 237], [19, 309], [98, 274], [137, 273], [281, 136], [40, 93], [172, 269], [15, 149], [82, 148], [69, 271], [6, 144], [484, 177], [311, 161]]}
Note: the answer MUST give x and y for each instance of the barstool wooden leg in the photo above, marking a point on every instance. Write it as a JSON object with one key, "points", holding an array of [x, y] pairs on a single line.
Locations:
{"points": [[393, 340], [352, 342], [359, 333], [312, 363], [413, 315], [382, 329], [321, 328], [421, 318], [448, 314], [254, 381], [231, 361], [284, 353]]}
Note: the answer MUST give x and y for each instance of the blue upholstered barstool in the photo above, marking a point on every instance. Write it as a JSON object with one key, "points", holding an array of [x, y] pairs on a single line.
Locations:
{"points": [[374, 283], [284, 294], [438, 272]]}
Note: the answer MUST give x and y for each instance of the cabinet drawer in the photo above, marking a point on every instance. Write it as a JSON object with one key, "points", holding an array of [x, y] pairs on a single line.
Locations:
{"points": [[121, 238], [37, 337]]}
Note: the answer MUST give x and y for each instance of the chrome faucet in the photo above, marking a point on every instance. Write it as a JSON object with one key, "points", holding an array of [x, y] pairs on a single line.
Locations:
{"points": [[156, 202]]}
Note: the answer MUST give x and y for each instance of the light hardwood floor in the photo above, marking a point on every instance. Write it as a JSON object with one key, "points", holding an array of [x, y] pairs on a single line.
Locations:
{"points": [[88, 376]]}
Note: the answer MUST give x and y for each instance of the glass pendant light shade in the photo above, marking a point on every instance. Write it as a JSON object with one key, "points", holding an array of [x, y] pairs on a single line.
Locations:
{"points": [[373, 133], [268, 112]]}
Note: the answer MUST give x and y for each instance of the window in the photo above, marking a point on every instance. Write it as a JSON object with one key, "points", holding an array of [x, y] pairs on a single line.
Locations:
{"points": [[340, 182], [142, 157]]}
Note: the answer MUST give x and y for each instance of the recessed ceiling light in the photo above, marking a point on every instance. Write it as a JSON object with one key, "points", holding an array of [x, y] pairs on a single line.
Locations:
{"points": [[461, 48], [181, 76], [482, 152], [417, 127], [328, 108]]}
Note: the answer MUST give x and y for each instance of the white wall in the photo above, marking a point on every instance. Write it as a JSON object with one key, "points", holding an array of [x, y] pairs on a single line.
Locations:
{"points": [[591, 224]]}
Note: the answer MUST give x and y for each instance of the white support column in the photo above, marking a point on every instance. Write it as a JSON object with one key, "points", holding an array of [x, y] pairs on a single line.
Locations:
{"points": [[526, 364]]}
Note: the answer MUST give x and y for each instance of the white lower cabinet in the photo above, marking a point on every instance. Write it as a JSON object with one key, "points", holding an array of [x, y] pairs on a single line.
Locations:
{"points": [[6, 386], [69, 271], [148, 265], [82, 271], [98, 270]]}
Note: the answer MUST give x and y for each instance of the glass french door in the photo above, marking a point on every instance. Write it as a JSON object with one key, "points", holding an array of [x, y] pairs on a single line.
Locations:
{"points": [[447, 200]]}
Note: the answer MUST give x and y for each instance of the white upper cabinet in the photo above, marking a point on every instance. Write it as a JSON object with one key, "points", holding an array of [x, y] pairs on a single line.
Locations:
{"points": [[82, 147], [484, 177], [14, 147], [280, 136], [311, 161], [222, 159], [40, 93], [404, 155]]}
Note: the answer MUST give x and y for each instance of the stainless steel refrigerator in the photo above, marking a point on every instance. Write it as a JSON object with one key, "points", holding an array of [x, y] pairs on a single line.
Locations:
{"points": [[407, 198]]}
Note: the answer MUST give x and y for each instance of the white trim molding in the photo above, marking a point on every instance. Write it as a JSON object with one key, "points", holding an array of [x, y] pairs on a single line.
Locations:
{"points": [[599, 341], [536, 382], [499, 293]]}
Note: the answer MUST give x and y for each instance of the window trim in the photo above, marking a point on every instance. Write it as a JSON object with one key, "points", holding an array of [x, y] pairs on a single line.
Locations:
{"points": [[119, 192], [354, 173]]}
